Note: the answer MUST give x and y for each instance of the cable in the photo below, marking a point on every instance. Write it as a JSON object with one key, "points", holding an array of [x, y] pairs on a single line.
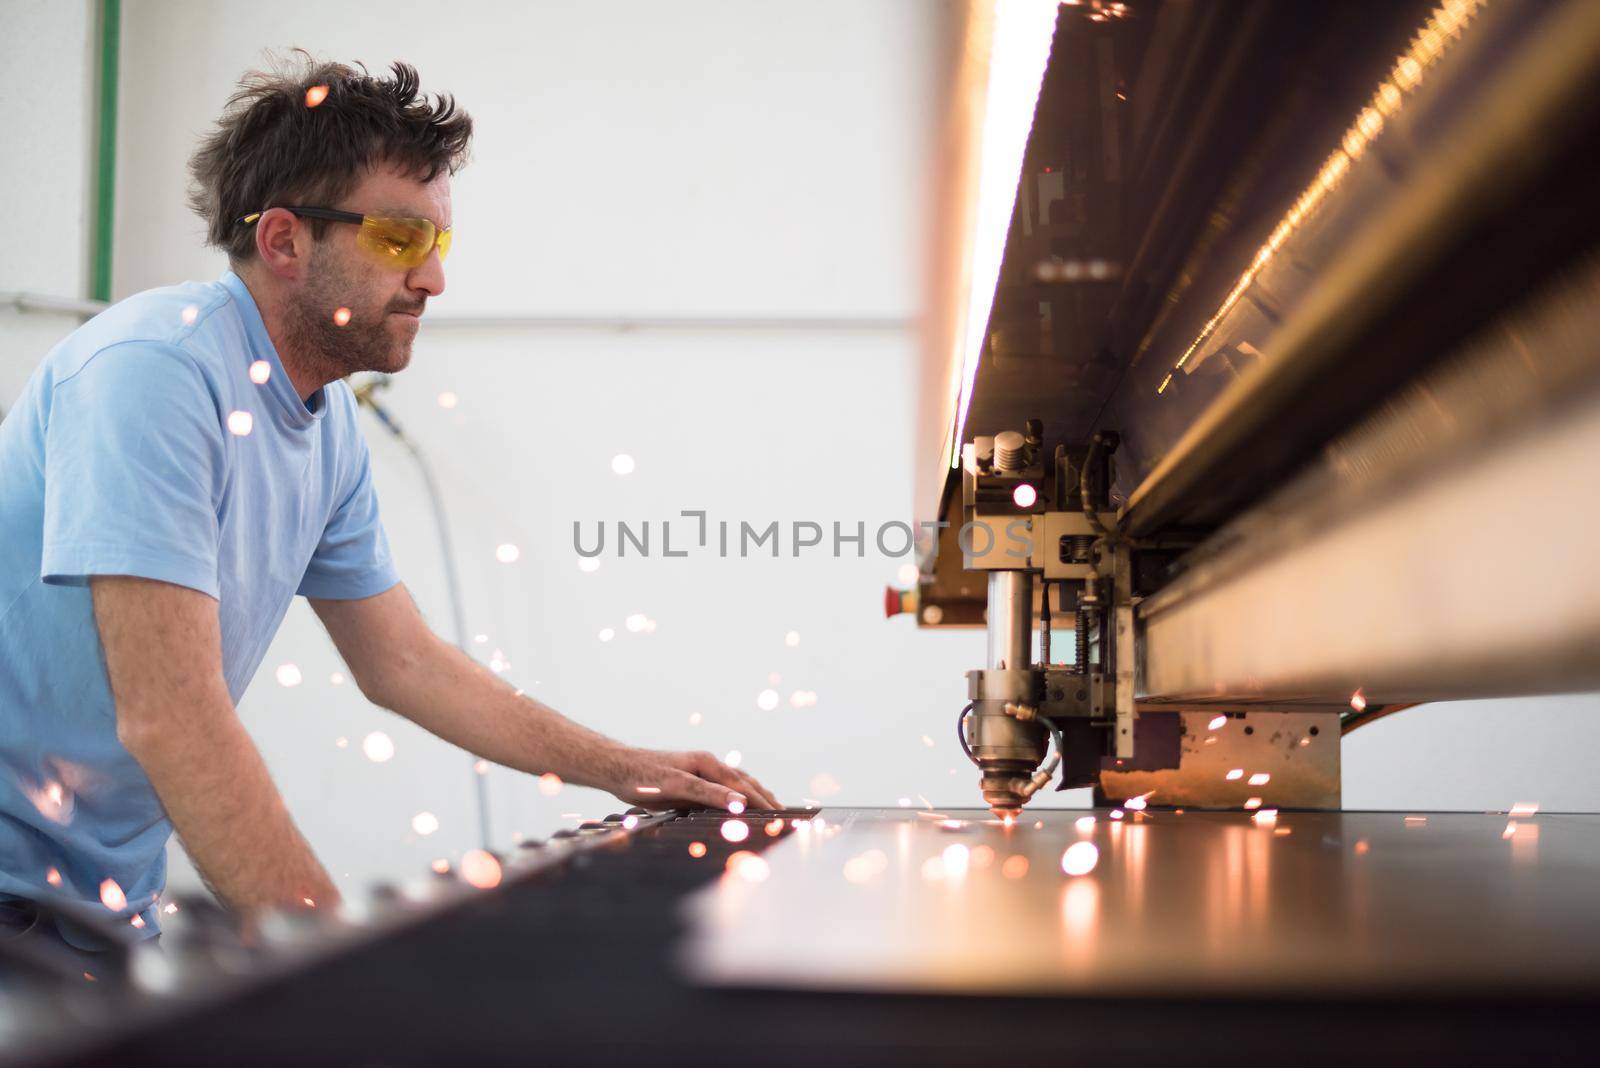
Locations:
{"points": [[961, 735]]}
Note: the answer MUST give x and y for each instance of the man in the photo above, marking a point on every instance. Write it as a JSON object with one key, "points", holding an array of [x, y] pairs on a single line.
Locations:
{"points": [[183, 465]]}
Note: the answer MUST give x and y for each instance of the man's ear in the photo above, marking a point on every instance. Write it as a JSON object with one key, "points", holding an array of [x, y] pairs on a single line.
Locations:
{"points": [[283, 242]]}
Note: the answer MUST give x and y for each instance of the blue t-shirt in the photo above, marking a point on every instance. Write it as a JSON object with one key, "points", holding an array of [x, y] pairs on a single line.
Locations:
{"points": [[124, 456]]}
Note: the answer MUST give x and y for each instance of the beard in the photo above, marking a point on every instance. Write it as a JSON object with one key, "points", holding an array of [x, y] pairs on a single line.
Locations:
{"points": [[369, 341]]}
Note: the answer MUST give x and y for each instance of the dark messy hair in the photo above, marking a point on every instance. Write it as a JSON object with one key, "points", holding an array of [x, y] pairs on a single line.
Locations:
{"points": [[275, 145]]}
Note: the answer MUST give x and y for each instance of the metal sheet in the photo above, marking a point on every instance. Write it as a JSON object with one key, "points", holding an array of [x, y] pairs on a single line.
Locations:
{"points": [[1319, 903]]}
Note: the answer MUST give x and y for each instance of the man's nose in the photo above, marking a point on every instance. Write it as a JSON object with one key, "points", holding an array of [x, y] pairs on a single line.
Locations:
{"points": [[428, 276]]}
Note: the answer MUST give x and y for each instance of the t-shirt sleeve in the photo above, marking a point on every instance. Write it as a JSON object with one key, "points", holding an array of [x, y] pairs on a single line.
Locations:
{"points": [[352, 559], [134, 465]]}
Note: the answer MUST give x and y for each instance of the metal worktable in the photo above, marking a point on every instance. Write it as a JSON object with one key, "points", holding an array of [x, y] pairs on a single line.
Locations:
{"points": [[1204, 935]]}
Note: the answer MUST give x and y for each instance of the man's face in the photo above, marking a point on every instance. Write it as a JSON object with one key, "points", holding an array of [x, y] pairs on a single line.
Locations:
{"points": [[384, 303]]}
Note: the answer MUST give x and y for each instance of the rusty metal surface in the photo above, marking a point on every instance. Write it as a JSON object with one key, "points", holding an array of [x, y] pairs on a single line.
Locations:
{"points": [[1298, 751], [1318, 903]]}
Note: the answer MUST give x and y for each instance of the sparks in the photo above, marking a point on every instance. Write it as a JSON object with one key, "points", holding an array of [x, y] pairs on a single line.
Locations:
{"points": [[622, 464], [1136, 804], [1234, 774], [316, 95], [480, 869], [1085, 824], [1080, 858], [441, 866], [866, 867], [1363, 847], [648, 789], [748, 866], [189, 314], [774, 827], [480, 767], [1358, 702], [606, 634], [1523, 809], [1015, 867], [695, 719], [341, 317], [734, 831], [697, 849], [767, 700], [310, 904], [341, 742], [378, 746], [288, 675], [507, 553], [792, 639], [549, 784], [629, 822], [448, 400], [1416, 821], [112, 897], [733, 758], [336, 679], [1266, 817], [1260, 778], [170, 909], [1217, 723], [260, 371], [240, 423], [736, 806], [424, 823], [1252, 802], [1116, 813]]}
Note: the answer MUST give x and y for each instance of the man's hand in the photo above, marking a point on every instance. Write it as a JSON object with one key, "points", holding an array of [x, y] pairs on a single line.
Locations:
{"points": [[675, 780], [400, 664]]}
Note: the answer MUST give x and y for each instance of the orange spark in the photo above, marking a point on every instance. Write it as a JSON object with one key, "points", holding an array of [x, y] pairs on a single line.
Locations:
{"points": [[260, 371], [316, 95], [442, 866], [1358, 701], [697, 849], [1523, 809], [1234, 774], [1252, 802], [480, 869], [1362, 848], [53, 877], [1080, 858], [1085, 824], [112, 897], [734, 830], [549, 784], [736, 806], [1260, 778], [137, 921], [775, 827], [341, 317], [1266, 817], [1015, 867], [748, 866], [648, 789], [1217, 723]]}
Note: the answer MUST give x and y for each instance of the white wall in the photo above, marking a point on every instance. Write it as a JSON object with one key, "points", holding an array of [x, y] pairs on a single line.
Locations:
{"points": [[47, 94], [734, 159]]}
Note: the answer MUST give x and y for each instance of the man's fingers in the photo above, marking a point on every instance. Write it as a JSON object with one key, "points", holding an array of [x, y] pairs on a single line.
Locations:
{"points": [[710, 767], [692, 788], [760, 795]]}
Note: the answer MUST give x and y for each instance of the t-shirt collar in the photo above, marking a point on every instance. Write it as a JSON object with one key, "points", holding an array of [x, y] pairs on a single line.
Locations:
{"points": [[295, 411]]}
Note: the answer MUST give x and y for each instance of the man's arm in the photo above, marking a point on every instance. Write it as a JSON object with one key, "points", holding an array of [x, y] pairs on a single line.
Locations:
{"points": [[400, 664], [163, 651]]}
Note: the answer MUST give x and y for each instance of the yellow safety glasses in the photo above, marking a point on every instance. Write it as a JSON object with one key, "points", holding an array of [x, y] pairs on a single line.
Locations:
{"points": [[393, 242]]}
